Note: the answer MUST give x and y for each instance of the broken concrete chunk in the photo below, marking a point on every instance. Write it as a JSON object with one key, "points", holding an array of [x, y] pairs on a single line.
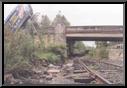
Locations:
{"points": [[69, 64], [53, 71], [79, 71], [49, 77], [51, 65]]}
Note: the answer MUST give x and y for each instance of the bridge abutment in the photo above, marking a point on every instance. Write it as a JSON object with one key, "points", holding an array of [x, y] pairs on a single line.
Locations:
{"points": [[60, 36]]}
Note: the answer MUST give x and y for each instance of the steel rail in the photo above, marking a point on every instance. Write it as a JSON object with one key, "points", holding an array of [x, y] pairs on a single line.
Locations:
{"points": [[116, 65], [98, 78]]}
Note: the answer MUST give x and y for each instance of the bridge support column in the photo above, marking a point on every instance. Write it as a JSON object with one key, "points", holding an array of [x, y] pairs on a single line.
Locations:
{"points": [[70, 45], [60, 37]]}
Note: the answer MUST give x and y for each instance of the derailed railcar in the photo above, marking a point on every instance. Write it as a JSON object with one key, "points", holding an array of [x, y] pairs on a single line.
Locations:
{"points": [[20, 14]]}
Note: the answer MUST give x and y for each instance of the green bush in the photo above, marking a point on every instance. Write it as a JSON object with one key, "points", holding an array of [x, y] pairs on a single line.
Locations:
{"points": [[92, 53], [58, 50], [18, 48], [99, 53], [49, 56], [79, 48], [52, 54], [103, 53]]}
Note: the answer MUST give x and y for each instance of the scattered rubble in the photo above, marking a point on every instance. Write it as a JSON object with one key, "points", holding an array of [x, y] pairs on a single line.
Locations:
{"points": [[42, 74], [68, 73]]}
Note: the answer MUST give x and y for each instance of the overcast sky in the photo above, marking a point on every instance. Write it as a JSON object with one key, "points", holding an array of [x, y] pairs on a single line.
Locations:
{"points": [[79, 14]]}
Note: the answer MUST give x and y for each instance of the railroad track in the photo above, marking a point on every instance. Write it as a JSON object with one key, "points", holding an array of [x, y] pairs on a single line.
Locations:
{"points": [[106, 64], [111, 72], [93, 75]]}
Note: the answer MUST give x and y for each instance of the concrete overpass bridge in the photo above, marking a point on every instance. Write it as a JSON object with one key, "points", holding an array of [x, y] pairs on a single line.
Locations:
{"points": [[68, 35], [94, 33]]}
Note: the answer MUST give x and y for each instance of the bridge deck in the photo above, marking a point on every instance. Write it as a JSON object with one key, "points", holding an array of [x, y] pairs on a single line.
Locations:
{"points": [[95, 33]]}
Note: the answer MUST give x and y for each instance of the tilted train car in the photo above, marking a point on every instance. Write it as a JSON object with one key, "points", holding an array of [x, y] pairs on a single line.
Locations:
{"points": [[19, 15]]}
